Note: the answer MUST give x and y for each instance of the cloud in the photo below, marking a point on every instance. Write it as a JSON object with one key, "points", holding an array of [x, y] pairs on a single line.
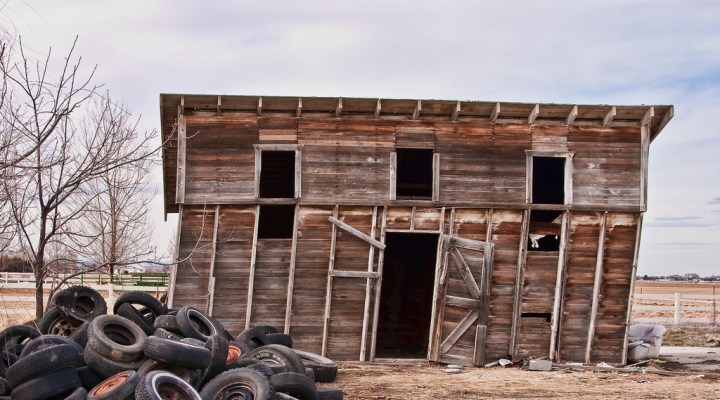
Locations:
{"points": [[715, 201], [678, 222]]}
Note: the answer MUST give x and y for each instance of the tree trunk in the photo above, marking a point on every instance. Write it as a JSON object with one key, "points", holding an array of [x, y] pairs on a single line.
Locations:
{"points": [[39, 269]]}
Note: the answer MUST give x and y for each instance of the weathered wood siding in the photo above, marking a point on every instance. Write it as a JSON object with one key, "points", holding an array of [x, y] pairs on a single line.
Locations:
{"points": [[195, 250], [538, 293]]}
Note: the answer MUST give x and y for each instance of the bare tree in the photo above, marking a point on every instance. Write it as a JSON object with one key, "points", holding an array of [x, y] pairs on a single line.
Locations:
{"points": [[64, 135]]}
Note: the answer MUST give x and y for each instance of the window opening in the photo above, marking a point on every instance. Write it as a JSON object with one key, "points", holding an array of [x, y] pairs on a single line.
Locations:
{"points": [[547, 316], [276, 221], [277, 174], [414, 176], [548, 180], [544, 232]]}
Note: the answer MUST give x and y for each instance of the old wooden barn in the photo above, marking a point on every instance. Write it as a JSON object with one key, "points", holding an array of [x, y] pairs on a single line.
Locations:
{"points": [[457, 231]]}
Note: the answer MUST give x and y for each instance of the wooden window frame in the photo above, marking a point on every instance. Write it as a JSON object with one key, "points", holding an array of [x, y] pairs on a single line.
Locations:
{"points": [[568, 187], [297, 148], [435, 174]]}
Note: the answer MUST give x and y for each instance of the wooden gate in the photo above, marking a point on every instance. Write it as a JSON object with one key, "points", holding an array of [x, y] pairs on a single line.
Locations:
{"points": [[461, 302]]}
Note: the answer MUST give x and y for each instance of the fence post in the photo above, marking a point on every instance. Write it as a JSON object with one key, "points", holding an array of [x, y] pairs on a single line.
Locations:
{"points": [[677, 308], [110, 291]]}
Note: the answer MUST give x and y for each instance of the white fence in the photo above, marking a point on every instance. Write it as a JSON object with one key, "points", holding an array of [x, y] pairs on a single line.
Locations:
{"points": [[25, 305], [678, 304]]}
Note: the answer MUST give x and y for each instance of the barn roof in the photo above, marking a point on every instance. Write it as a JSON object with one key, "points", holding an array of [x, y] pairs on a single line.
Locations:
{"points": [[657, 116]]}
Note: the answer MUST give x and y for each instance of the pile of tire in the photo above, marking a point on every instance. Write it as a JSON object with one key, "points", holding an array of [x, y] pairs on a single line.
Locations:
{"points": [[146, 351]]}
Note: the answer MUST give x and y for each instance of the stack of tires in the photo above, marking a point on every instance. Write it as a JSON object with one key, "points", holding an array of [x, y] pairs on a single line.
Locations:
{"points": [[145, 351]]}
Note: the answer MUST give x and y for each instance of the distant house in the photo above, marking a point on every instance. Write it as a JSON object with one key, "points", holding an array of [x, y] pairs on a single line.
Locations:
{"points": [[457, 231]]}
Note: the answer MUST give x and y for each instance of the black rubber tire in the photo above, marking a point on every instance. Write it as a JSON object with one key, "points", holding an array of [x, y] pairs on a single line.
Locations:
{"points": [[45, 341], [120, 386], [218, 346], [279, 355], [267, 329], [191, 376], [329, 393], [146, 300], [106, 367], [253, 337], [261, 368], [80, 336], [238, 380], [159, 385], [325, 368], [127, 311], [55, 322], [280, 338], [236, 351], [194, 324], [42, 362], [166, 334], [294, 384], [80, 393], [310, 373], [4, 386], [54, 383], [80, 302], [167, 322], [193, 342], [17, 335], [88, 377], [116, 338], [283, 396], [178, 353]]}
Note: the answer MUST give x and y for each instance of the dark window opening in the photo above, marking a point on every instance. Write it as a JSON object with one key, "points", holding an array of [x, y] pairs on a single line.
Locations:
{"points": [[548, 180], [545, 315], [276, 222], [414, 173], [277, 174], [545, 229], [406, 298]]}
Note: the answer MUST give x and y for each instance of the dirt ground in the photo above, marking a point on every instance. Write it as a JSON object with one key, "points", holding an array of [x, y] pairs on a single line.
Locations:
{"points": [[429, 381]]}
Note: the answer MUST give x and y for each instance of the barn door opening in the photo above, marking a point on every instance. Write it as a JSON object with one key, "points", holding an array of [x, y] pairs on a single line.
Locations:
{"points": [[462, 301], [406, 299]]}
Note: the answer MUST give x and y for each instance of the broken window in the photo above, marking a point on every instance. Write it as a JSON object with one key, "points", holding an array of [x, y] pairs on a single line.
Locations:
{"points": [[277, 169], [548, 180], [414, 173], [545, 230], [276, 221]]}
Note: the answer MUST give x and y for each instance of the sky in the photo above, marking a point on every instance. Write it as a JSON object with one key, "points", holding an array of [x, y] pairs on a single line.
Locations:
{"points": [[573, 52]]}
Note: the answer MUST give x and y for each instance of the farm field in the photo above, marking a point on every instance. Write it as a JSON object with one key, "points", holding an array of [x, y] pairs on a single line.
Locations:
{"points": [[424, 380]]}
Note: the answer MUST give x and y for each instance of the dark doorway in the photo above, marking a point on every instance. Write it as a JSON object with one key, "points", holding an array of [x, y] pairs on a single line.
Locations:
{"points": [[406, 298]]}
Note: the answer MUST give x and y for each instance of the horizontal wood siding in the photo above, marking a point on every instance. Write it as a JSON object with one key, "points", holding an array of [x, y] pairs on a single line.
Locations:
{"points": [[509, 159], [578, 294], [615, 287], [550, 137], [606, 164], [195, 250], [220, 166], [311, 274], [538, 294], [272, 269], [506, 229], [232, 265]]}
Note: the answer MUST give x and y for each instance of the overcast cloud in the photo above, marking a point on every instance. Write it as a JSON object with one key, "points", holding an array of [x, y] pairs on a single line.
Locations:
{"points": [[589, 52]]}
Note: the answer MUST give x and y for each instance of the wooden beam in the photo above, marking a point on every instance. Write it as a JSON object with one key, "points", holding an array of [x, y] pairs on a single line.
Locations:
{"points": [[328, 292], [649, 114], [378, 286], [355, 274], [534, 114], [460, 328], [631, 296], [599, 261], [211, 274], [495, 113], [559, 287], [219, 105], [455, 112], [182, 144], [418, 108], [368, 289], [298, 111], [465, 273], [664, 121], [378, 107], [610, 116], [644, 162], [519, 280], [291, 276], [571, 117], [393, 175], [436, 177], [176, 258], [479, 352], [356, 233], [338, 109], [251, 278], [259, 107], [462, 302]]}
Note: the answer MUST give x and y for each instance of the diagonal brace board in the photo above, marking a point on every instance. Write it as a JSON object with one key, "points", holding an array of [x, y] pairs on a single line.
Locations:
{"points": [[463, 326], [356, 233], [465, 272]]}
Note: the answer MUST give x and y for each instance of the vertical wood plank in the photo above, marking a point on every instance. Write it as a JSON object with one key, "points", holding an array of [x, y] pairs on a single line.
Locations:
{"points": [[479, 353], [520, 277], [393, 174], [253, 258], [632, 286], [438, 261], [596, 288], [378, 286], [291, 276], [328, 293], [258, 165], [368, 289], [298, 172], [176, 256], [436, 177], [559, 287], [213, 251], [644, 156], [181, 156]]}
